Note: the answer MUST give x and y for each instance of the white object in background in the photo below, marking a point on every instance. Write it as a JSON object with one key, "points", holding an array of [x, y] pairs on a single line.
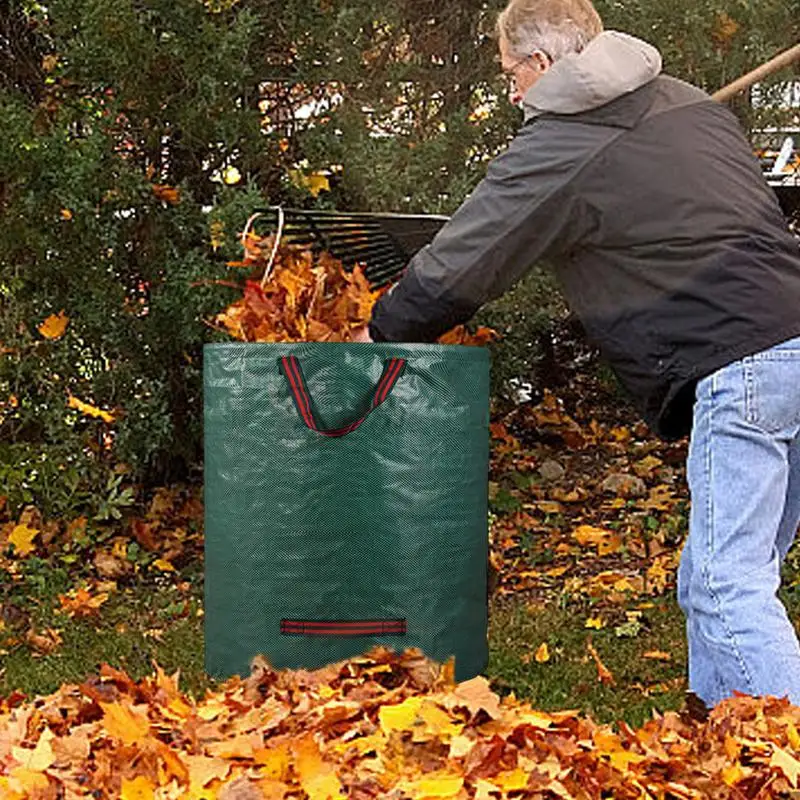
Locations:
{"points": [[783, 157]]}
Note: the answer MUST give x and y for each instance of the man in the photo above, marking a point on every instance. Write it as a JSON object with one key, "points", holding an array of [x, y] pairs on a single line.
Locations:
{"points": [[644, 195]]}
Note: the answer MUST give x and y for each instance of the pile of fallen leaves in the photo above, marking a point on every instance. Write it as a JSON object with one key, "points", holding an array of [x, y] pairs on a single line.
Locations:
{"points": [[380, 725], [295, 295]]}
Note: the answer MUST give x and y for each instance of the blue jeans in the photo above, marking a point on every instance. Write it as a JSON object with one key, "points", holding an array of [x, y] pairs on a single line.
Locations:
{"points": [[744, 478]]}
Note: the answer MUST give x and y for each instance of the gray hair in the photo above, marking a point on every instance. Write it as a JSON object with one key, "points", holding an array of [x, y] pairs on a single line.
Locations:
{"points": [[556, 27]]}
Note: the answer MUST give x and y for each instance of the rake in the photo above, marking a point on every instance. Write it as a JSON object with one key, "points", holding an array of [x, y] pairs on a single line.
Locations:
{"points": [[384, 243]]}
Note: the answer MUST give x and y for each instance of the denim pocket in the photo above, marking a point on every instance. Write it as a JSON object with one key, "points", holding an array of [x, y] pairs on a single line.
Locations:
{"points": [[772, 393]]}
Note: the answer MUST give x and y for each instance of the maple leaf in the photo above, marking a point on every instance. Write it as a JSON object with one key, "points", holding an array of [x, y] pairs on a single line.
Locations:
{"points": [[124, 722], [302, 296], [786, 763], [41, 757], [317, 777], [81, 603], [22, 538], [54, 326]]}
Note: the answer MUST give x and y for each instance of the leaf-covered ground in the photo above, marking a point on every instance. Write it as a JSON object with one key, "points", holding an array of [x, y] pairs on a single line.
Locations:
{"points": [[588, 514], [380, 725]]}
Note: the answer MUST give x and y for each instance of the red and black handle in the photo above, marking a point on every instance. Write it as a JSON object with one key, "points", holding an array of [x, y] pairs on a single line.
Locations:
{"points": [[392, 370], [342, 627]]}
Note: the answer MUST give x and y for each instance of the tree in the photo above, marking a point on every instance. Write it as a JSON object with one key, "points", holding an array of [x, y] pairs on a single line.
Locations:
{"points": [[137, 136]]}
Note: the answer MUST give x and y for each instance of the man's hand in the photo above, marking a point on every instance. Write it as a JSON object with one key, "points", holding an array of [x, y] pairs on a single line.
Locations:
{"points": [[362, 335]]}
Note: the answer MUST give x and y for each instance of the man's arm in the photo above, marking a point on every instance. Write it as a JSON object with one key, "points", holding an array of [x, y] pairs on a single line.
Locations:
{"points": [[522, 210]]}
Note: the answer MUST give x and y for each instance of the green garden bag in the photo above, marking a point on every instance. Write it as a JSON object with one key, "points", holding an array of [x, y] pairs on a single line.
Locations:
{"points": [[345, 503]]}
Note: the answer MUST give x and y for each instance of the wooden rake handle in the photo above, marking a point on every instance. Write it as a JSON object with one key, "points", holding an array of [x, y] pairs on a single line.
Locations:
{"points": [[759, 73]]}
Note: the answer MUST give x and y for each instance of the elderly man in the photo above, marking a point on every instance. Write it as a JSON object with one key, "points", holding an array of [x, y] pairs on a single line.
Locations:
{"points": [[643, 194]]}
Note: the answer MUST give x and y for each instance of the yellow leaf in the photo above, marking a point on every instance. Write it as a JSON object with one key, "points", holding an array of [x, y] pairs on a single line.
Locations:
{"points": [[434, 786], [595, 622], [138, 789], [41, 757], [536, 718], [542, 653], [22, 538], [646, 466], [437, 724], [511, 780], [400, 717], [28, 781], [163, 565], [793, 736], [786, 763], [606, 541], [274, 761], [317, 777], [622, 759], [217, 231], [313, 183], [211, 709], [126, 723], [732, 774], [66, 214], [7, 793], [54, 326], [89, 410]]}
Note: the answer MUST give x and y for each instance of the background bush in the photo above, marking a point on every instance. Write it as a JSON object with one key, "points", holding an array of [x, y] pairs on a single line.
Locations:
{"points": [[136, 137]]}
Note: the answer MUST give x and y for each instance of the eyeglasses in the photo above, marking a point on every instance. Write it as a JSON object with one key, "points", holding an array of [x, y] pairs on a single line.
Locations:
{"points": [[511, 72]]}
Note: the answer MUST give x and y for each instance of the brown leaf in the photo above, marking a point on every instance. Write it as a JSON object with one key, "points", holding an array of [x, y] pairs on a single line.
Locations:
{"points": [[48, 641], [109, 566]]}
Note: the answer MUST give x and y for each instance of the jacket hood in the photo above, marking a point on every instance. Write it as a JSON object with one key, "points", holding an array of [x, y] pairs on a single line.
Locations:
{"points": [[611, 65]]}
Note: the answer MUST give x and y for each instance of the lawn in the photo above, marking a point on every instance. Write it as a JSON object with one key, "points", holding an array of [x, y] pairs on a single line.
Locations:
{"points": [[587, 519]]}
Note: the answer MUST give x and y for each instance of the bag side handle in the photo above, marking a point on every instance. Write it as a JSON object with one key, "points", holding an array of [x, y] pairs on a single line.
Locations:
{"points": [[392, 370]]}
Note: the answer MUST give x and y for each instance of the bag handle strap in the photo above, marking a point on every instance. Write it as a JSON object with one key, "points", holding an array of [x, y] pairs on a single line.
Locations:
{"points": [[392, 369]]}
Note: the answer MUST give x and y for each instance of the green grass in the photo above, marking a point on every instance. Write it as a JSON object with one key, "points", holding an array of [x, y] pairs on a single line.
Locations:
{"points": [[153, 619], [145, 622], [569, 679]]}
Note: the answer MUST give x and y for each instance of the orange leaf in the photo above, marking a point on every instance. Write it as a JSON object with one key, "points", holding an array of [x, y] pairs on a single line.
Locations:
{"points": [[124, 722], [167, 194], [603, 673], [81, 603], [542, 653], [54, 326], [137, 789]]}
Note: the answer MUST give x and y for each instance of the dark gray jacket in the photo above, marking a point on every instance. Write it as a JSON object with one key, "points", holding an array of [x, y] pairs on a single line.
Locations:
{"points": [[644, 195]]}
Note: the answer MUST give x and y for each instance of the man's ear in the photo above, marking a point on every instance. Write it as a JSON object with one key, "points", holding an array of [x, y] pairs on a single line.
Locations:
{"points": [[541, 60]]}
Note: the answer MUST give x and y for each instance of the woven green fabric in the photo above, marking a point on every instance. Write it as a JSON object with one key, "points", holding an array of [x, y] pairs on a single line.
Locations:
{"points": [[319, 547]]}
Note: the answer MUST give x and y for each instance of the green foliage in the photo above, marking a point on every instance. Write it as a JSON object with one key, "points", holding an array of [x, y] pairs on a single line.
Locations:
{"points": [[103, 102]]}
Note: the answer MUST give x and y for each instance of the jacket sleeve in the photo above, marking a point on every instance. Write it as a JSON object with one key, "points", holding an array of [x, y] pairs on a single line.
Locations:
{"points": [[522, 210]]}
